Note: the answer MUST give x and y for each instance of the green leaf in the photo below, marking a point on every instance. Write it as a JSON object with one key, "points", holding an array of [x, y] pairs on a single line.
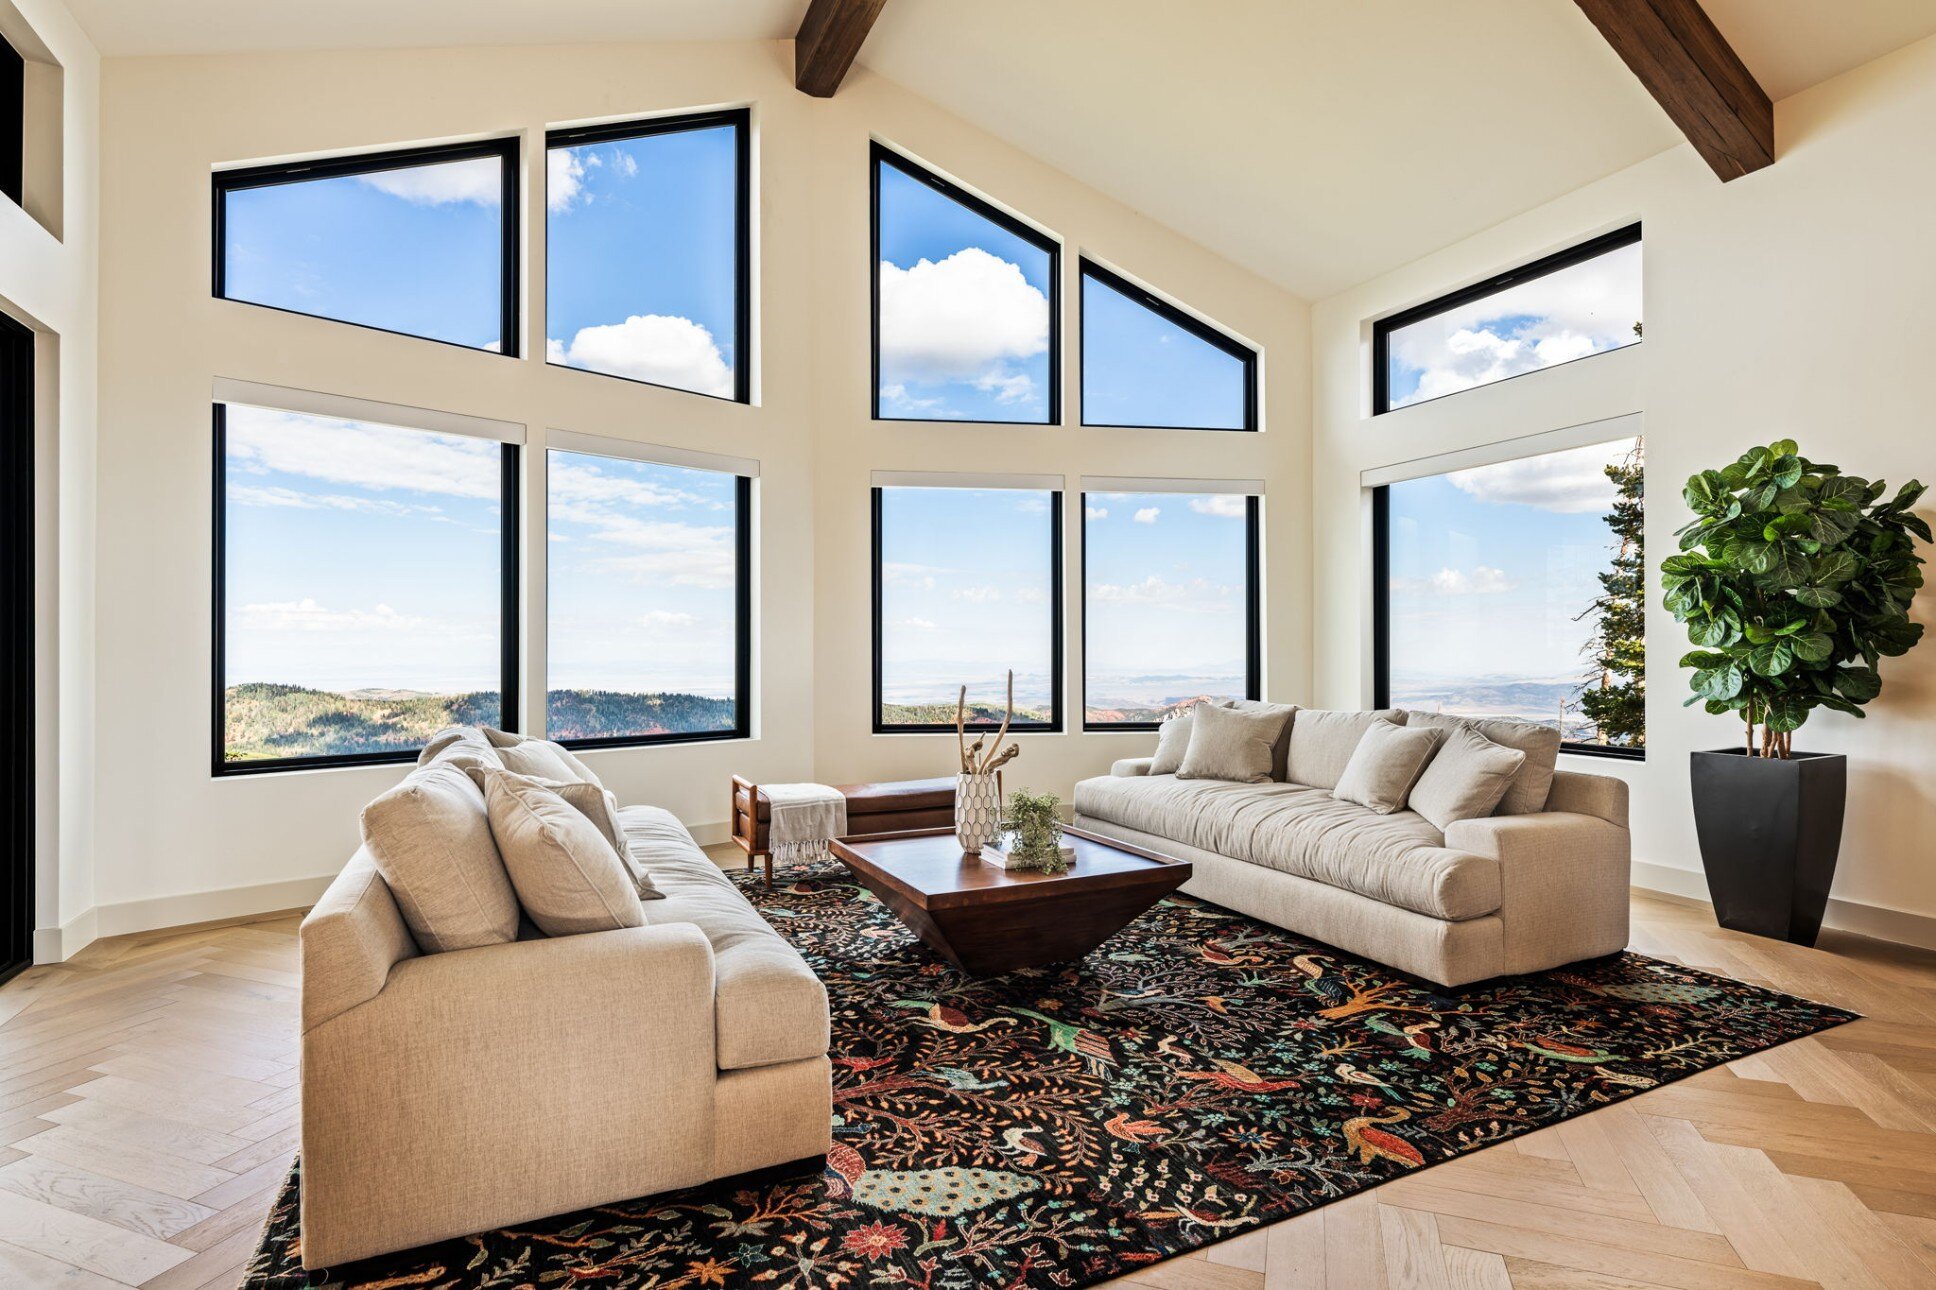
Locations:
{"points": [[1702, 658], [1713, 632], [1719, 683], [1771, 659], [1836, 566], [1858, 684], [1787, 468], [1758, 557], [1817, 597], [1705, 491], [1788, 567], [1813, 647]]}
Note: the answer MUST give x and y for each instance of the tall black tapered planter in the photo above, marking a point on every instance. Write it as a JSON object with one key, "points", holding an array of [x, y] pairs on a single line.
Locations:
{"points": [[1770, 830]]}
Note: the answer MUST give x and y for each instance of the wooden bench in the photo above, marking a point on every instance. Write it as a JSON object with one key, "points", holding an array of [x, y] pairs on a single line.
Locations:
{"points": [[872, 809]]}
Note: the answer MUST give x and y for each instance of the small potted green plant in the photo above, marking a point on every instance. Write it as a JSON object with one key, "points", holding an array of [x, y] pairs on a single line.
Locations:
{"points": [[1030, 837], [1794, 581]]}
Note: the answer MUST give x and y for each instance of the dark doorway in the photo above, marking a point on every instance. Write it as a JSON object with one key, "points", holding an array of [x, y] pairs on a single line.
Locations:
{"points": [[16, 647]]}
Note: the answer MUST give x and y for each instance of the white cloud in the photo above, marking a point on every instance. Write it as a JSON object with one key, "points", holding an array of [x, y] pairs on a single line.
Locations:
{"points": [[1228, 506], [910, 575], [1005, 387], [306, 615], [1197, 594], [1570, 482], [960, 319], [625, 163], [291, 499], [683, 555], [1148, 514], [896, 398], [1482, 580], [564, 178], [918, 624], [1095, 512], [658, 348], [666, 620], [478, 181], [582, 481], [1029, 504], [977, 595], [362, 455]]}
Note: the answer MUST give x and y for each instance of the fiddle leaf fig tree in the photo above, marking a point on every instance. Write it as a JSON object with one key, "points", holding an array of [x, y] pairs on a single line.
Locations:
{"points": [[1794, 582]]}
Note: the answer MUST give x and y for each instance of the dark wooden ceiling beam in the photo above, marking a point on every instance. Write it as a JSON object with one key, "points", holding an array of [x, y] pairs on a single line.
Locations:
{"points": [[1689, 67], [830, 36]]}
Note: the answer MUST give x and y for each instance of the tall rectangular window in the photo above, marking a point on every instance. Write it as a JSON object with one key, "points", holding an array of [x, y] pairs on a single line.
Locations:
{"points": [[1170, 604], [1517, 590], [649, 584], [1580, 302], [365, 584], [967, 586], [13, 121], [647, 251], [966, 314], [1147, 363], [422, 241]]}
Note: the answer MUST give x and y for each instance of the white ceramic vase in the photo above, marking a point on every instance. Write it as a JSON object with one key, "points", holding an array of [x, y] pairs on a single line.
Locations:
{"points": [[978, 811]]}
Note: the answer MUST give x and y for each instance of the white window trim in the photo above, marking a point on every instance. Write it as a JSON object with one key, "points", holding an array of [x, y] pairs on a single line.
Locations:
{"points": [[653, 454], [1609, 430], [1129, 484], [342, 407], [966, 479]]}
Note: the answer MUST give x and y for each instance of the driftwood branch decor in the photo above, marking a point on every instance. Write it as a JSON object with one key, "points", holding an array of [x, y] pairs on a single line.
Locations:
{"points": [[973, 760]]}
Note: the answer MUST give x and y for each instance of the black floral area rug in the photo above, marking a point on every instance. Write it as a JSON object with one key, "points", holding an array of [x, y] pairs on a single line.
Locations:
{"points": [[1198, 1075]]}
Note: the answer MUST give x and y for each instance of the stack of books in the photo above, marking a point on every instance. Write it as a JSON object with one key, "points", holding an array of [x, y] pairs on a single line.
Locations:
{"points": [[997, 851]]}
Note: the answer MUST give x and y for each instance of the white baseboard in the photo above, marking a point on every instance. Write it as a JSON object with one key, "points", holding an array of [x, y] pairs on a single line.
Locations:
{"points": [[1874, 921]]}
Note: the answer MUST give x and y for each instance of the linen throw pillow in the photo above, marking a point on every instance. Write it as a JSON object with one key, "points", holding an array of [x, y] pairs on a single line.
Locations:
{"points": [[601, 808], [1281, 756], [452, 740], [538, 758], [568, 877], [1541, 744], [1322, 743], [1232, 745], [430, 838], [1467, 777], [1172, 737], [1383, 767]]}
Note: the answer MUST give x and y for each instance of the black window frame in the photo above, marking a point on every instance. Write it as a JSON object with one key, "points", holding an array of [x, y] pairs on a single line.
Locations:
{"points": [[13, 122], [1056, 688], [20, 768], [510, 267], [1381, 629], [1253, 615], [878, 155], [741, 119], [742, 635], [1381, 330], [509, 622], [1169, 313]]}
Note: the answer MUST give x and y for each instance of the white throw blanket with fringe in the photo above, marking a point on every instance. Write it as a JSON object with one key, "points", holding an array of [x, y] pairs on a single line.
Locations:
{"points": [[805, 818]]}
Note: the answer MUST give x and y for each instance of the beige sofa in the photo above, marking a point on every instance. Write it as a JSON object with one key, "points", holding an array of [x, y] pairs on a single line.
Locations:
{"points": [[445, 1094], [1485, 897]]}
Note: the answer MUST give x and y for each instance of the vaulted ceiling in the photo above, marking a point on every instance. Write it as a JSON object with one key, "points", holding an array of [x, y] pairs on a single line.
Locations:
{"points": [[1316, 143]]}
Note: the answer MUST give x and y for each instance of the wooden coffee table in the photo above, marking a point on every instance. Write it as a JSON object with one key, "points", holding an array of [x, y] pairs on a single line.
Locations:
{"points": [[987, 920]]}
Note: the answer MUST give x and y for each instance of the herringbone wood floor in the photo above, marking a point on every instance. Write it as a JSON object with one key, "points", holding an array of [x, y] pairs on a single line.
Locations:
{"points": [[148, 1113]]}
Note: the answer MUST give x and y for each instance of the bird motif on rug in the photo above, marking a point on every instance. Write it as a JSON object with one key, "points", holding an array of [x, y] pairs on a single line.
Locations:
{"points": [[1092, 1048], [1362, 1134], [1558, 1050], [1121, 1126], [1020, 1143], [1242, 1079], [939, 1016], [1329, 989], [937, 1193], [1352, 1075], [1683, 992], [964, 1081], [1197, 1214]]}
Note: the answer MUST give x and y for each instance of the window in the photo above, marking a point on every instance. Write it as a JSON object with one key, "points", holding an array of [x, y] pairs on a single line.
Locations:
{"points": [[648, 578], [1147, 363], [647, 251], [1170, 615], [13, 120], [966, 313], [365, 587], [1566, 306], [967, 586], [1515, 590], [422, 242]]}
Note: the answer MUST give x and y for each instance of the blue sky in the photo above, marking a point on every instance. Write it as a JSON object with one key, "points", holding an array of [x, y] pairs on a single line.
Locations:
{"points": [[640, 576], [1140, 369], [1490, 568], [965, 594], [1586, 309], [359, 555], [1164, 605]]}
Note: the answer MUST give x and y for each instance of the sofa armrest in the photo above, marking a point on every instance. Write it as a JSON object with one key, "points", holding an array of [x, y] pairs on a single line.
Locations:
{"points": [[496, 1085], [1563, 882], [350, 940], [1575, 792], [1130, 767]]}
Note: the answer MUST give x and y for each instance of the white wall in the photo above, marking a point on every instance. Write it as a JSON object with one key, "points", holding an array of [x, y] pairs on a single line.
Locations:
{"points": [[48, 280], [1793, 303], [173, 842]]}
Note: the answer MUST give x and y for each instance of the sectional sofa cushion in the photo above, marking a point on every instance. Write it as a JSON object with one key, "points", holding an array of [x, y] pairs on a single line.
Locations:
{"points": [[1322, 743], [465, 743], [569, 879], [1280, 756], [1399, 859], [596, 804], [1233, 745], [768, 1005], [430, 838], [1466, 778], [1541, 744], [541, 758], [1386, 763]]}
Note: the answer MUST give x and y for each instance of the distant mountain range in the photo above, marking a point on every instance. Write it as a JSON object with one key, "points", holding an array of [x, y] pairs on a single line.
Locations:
{"points": [[266, 721]]}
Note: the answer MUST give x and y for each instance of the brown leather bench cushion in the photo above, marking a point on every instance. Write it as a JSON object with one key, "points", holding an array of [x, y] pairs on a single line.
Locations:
{"points": [[879, 799]]}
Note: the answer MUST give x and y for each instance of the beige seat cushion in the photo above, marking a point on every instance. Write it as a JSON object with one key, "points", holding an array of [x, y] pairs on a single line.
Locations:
{"points": [[1541, 744], [768, 1005], [568, 877], [538, 758], [1398, 858], [1280, 756], [1466, 779], [1322, 743], [1228, 744], [430, 837], [1386, 763]]}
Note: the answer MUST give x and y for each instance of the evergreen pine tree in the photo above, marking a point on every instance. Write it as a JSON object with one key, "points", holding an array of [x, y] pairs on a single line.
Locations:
{"points": [[1614, 696]]}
